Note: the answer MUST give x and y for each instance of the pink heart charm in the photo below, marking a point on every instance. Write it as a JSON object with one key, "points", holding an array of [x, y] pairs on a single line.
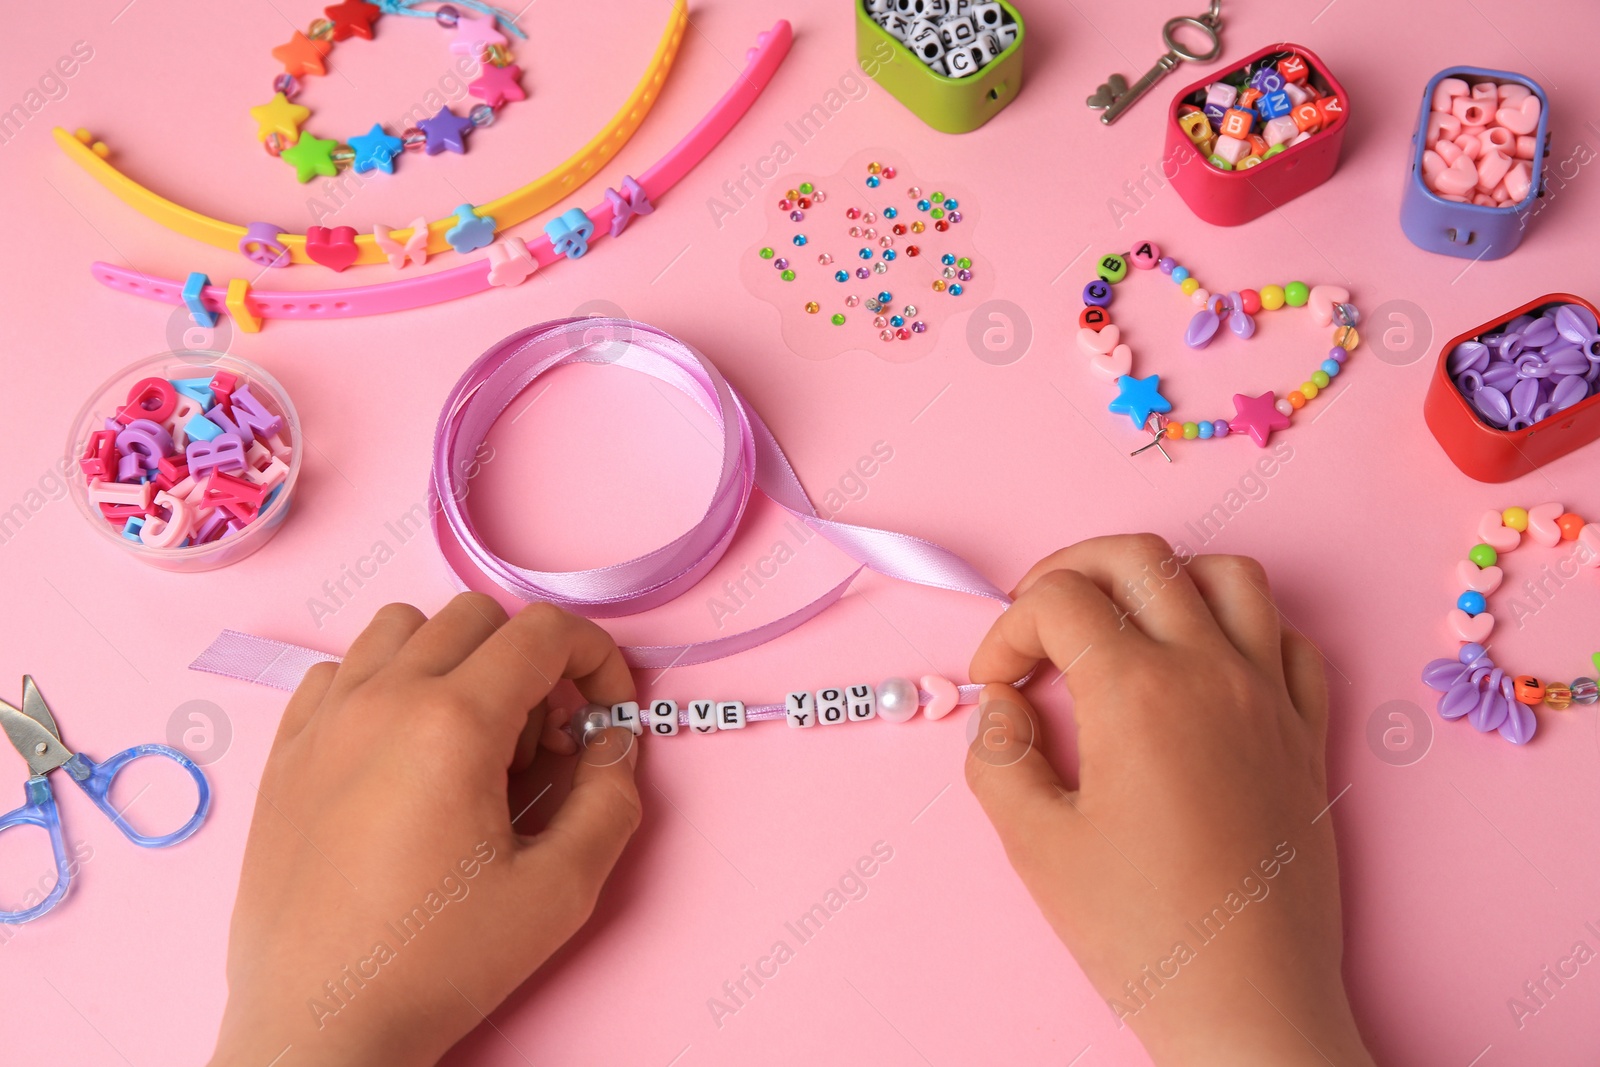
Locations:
{"points": [[1497, 535], [943, 695], [1098, 342], [1460, 178], [1115, 365], [1483, 580], [1523, 119], [1471, 628], [1542, 524], [1323, 297]]}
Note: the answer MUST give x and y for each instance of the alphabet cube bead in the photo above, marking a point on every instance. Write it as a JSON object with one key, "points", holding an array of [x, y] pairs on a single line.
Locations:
{"points": [[627, 714], [1214, 113], [958, 30], [879, 7], [926, 42], [1231, 149], [1294, 69], [1267, 80], [702, 716], [1248, 99], [862, 701], [1222, 94], [1275, 103], [1308, 117], [831, 709], [664, 717], [1236, 123], [962, 62], [988, 16], [730, 715], [990, 46], [1195, 126], [898, 25], [1007, 35], [1280, 130], [800, 710], [1332, 109]]}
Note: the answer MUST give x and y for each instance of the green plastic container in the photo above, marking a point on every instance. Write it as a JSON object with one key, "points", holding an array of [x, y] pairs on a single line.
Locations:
{"points": [[950, 105]]}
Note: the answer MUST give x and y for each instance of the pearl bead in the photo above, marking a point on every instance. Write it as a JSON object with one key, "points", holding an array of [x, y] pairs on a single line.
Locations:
{"points": [[897, 699], [1285, 408]]}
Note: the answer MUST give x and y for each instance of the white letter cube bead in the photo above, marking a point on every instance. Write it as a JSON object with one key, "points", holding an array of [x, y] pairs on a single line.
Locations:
{"points": [[898, 25], [934, 10], [989, 16], [960, 62], [800, 709], [830, 706], [664, 717], [862, 701], [925, 42], [702, 716], [1222, 94], [1006, 35], [990, 46], [959, 8], [730, 715], [879, 7], [957, 31], [908, 8], [627, 714]]}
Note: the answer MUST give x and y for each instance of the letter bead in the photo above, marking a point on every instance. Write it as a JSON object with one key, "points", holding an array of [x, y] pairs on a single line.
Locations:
{"points": [[627, 714], [664, 717], [1236, 123], [831, 706], [702, 716], [730, 715], [1097, 293], [862, 702], [799, 710]]}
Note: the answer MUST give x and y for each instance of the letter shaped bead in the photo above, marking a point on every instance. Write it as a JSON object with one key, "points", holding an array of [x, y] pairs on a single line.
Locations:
{"points": [[702, 716], [800, 710], [664, 717], [730, 715], [831, 707], [862, 702], [627, 714]]}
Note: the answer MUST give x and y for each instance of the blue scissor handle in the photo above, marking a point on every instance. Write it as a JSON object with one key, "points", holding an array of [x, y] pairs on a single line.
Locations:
{"points": [[39, 809], [96, 778]]}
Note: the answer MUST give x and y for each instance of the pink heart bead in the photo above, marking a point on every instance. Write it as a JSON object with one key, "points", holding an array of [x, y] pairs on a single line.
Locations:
{"points": [[1523, 118], [1496, 534], [1589, 538], [1519, 181], [1486, 91], [1484, 200], [1498, 139], [1542, 528], [1320, 302], [1441, 125], [1460, 179], [1471, 628], [1472, 112], [1483, 580], [1098, 342], [1492, 168], [1115, 365], [942, 696], [1512, 94], [1432, 164], [1527, 146], [1446, 91], [1470, 145], [1448, 151]]}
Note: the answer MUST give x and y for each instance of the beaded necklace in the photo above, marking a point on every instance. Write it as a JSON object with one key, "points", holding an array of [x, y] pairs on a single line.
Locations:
{"points": [[1140, 398]]}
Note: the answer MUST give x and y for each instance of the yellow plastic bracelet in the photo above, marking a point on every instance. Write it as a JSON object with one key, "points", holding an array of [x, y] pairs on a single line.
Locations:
{"points": [[508, 211]]}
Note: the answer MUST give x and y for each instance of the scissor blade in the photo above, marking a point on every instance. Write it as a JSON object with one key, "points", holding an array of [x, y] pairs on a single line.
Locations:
{"points": [[41, 748], [34, 707]]}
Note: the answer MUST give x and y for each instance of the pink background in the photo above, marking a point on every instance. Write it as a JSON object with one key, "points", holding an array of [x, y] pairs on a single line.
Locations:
{"points": [[1465, 872]]}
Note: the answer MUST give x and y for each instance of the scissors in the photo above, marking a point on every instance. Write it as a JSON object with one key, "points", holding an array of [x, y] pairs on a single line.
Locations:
{"points": [[1116, 95], [33, 732]]}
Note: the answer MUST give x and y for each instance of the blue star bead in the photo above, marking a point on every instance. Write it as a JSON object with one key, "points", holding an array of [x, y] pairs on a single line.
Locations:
{"points": [[1137, 398], [445, 130], [375, 150], [471, 231]]}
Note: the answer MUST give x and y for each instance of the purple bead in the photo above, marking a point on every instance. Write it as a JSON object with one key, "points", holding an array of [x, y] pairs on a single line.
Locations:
{"points": [[797, 216], [1520, 724], [1097, 293], [1458, 700], [1202, 328], [1166, 263], [1242, 325], [1543, 411], [447, 16], [1468, 355], [1474, 655], [1492, 405], [1500, 375], [260, 245], [964, 275], [1524, 396], [919, 327], [1539, 333], [1442, 674], [1575, 323], [1569, 391], [1337, 354], [863, 273], [780, 264], [1469, 383], [287, 84], [1220, 428]]}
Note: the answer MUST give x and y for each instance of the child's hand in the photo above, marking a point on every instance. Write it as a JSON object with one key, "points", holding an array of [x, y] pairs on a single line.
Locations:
{"points": [[387, 901], [1192, 873]]}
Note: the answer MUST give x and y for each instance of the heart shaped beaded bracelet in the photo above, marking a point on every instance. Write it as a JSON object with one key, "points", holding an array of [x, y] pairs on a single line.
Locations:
{"points": [[1140, 398], [1470, 683]]}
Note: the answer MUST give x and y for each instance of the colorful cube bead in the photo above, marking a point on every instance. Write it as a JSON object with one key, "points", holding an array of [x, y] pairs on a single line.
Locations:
{"points": [[1267, 80], [1275, 103], [1195, 126], [1308, 117], [1214, 113], [1231, 149], [1236, 123], [1222, 94], [1294, 69], [1280, 130]]}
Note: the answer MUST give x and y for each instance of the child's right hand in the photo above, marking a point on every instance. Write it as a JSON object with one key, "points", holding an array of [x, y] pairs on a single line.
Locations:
{"points": [[1192, 873]]}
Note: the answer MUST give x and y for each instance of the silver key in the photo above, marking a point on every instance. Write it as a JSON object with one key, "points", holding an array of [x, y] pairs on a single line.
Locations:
{"points": [[1116, 95]]}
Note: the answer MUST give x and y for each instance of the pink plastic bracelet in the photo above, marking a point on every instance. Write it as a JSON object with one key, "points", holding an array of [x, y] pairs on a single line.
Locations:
{"points": [[762, 63]]}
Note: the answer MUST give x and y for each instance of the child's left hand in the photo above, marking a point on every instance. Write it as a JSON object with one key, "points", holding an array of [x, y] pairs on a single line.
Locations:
{"points": [[387, 901]]}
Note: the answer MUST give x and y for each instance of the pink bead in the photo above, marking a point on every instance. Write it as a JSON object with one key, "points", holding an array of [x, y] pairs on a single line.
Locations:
{"points": [[1493, 532], [1492, 168], [1498, 139], [1589, 537], [1199, 298], [1284, 408], [1474, 629], [1542, 527], [942, 694], [1513, 93], [1145, 254], [1231, 148], [1527, 147], [1521, 118], [1440, 124], [1471, 112], [1453, 198], [1432, 164], [1486, 91], [1446, 91], [1459, 180], [1448, 151], [1519, 181], [1484, 200], [1483, 580], [1099, 342], [1470, 145]]}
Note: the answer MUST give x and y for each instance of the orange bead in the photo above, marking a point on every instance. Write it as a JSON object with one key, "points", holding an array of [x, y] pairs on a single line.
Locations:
{"points": [[1297, 399], [1258, 145], [1174, 430], [302, 55], [1529, 690], [1236, 123], [1308, 117], [1570, 525]]}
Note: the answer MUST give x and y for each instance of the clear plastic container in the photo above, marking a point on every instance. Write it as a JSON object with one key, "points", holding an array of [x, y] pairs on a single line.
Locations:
{"points": [[113, 393]]}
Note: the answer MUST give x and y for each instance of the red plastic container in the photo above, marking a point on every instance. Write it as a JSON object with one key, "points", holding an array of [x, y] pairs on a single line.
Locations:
{"points": [[1489, 454], [1232, 197]]}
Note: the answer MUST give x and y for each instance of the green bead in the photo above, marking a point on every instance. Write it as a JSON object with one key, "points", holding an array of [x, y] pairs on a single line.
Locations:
{"points": [[964, 263], [787, 275], [937, 197], [1191, 430], [1219, 162], [1295, 294], [1274, 150], [1483, 555], [937, 212], [767, 253], [806, 188], [1112, 268], [1320, 378], [311, 157], [838, 318]]}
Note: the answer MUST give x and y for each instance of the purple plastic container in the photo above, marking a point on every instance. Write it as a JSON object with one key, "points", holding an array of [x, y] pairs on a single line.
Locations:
{"points": [[1470, 231]]}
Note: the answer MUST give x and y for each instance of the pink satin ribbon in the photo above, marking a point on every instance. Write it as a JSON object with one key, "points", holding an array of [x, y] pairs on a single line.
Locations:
{"points": [[751, 459]]}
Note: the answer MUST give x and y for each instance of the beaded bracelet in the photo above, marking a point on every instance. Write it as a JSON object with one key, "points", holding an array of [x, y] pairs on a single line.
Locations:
{"points": [[1140, 398], [279, 120], [895, 699], [1471, 684]]}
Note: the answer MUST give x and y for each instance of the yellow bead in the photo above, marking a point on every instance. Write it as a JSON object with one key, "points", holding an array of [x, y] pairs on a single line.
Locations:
{"points": [[1195, 126], [1345, 337], [1247, 162], [918, 226], [1516, 518], [1557, 696], [1309, 390], [1272, 297], [1189, 285]]}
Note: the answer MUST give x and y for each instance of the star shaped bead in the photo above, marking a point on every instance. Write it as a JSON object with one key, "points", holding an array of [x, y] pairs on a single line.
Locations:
{"points": [[498, 84], [445, 130], [1137, 398], [474, 35], [1259, 415], [311, 156], [353, 18], [302, 55], [375, 150], [279, 116]]}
